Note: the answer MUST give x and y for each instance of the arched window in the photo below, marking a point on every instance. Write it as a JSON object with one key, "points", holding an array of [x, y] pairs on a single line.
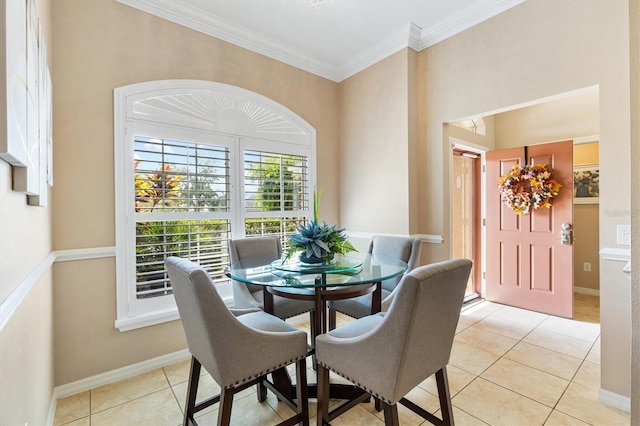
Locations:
{"points": [[196, 164]]}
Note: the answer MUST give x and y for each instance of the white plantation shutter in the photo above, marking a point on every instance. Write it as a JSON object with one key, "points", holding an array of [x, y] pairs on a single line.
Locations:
{"points": [[276, 196], [197, 164], [178, 185]]}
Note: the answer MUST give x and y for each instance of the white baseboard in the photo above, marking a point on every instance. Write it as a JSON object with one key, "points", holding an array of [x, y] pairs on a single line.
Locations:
{"points": [[586, 290], [614, 400], [52, 410], [119, 374]]}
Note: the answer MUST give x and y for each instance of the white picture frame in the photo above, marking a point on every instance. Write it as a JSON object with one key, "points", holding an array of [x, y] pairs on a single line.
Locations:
{"points": [[45, 157], [27, 179], [13, 99]]}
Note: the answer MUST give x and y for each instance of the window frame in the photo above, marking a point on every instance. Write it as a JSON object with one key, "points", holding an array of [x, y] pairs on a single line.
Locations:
{"points": [[133, 313]]}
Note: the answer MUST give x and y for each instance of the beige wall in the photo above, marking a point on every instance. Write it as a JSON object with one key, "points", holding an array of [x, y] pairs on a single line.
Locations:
{"points": [[101, 45], [513, 59], [570, 116], [374, 147], [26, 344], [586, 218], [634, 38]]}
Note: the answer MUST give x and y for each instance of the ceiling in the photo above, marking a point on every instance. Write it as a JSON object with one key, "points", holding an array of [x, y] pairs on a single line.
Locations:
{"points": [[331, 38]]}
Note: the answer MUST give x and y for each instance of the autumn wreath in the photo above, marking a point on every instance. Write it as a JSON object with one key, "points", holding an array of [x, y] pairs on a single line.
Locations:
{"points": [[528, 187]]}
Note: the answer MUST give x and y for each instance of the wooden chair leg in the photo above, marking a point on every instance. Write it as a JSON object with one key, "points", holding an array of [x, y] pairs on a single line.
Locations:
{"points": [[261, 389], [224, 410], [302, 395], [192, 390], [391, 414], [377, 404], [312, 323], [323, 396], [445, 396], [332, 319]]}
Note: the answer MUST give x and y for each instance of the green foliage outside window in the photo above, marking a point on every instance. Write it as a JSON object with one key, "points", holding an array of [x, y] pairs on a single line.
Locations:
{"points": [[279, 188]]}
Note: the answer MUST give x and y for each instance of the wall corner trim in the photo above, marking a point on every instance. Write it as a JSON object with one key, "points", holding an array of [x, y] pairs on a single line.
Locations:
{"points": [[428, 238], [425, 238], [11, 304], [615, 400], [616, 254], [83, 254]]}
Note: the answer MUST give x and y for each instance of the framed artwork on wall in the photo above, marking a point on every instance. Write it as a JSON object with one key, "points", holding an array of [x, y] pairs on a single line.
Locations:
{"points": [[27, 178], [13, 123], [586, 184]]}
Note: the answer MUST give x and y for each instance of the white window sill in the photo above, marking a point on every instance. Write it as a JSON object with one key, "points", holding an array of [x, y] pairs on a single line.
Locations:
{"points": [[154, 318]]}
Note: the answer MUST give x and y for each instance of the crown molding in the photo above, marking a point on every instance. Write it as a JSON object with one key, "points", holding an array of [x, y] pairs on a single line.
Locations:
{"points": [[406, 37], [183, 14], [412, 36]]}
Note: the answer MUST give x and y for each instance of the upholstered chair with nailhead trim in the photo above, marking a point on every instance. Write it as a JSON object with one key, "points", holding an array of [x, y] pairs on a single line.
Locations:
{"points": [[406, 249], [237, 347], [389, 353]]}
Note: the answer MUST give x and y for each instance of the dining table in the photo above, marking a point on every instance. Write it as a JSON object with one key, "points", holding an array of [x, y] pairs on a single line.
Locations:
{"points": [[344, 276]]}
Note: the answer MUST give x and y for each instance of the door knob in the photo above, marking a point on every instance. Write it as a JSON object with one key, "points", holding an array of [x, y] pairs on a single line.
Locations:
{"points": [[566, 234]]}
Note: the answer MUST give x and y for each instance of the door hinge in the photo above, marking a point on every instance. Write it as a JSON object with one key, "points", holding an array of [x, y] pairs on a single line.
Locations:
{"points": [[484, 168], [484, 222], [484, 275]]}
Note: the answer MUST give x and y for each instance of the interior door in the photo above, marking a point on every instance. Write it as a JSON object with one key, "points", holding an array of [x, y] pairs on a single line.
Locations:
{"points": [[528, 265]]}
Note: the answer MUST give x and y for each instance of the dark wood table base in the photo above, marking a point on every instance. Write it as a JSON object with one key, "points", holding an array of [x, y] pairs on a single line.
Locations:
{"points": [[282, 385]]}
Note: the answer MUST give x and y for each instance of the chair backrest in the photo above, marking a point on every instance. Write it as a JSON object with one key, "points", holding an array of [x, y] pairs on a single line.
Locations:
{"points": [[214, 335], [420, 325], [406, 249], [254, 248]]}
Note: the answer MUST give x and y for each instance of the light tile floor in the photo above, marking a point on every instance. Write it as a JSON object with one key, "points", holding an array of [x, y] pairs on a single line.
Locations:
{"points": [[508, 367]]}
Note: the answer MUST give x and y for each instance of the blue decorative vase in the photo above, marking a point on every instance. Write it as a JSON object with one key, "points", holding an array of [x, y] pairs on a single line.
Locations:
{"points": [[314, 259]]}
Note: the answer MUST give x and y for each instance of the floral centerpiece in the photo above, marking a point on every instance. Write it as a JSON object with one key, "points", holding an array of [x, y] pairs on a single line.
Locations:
{"points": [[318, 242], [528, 187]]}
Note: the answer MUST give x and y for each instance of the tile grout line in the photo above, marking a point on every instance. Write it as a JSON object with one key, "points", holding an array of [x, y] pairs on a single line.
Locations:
{"points": [[554, 407]]}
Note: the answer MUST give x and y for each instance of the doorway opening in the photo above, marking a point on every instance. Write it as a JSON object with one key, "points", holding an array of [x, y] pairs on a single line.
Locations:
{"points": [[571, 115], [466, 210]]}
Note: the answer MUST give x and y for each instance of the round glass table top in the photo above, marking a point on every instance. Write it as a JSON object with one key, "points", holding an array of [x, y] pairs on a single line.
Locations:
{"points": [[345, 270], [345, 263]]}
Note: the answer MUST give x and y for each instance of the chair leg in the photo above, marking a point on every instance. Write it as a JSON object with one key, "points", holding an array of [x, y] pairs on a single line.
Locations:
{"points": [[445, 396], [302, 395], [224, 410], [323, 396], [391, 414], [312, 323], [377, 404], [332, 319], [261, 390], [192, 390]]}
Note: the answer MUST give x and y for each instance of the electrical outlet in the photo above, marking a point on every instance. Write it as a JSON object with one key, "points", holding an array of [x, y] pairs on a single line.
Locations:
{"points": [[586, 266]]}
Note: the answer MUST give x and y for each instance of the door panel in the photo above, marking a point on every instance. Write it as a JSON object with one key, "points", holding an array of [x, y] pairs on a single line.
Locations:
{"points": [[527, 264]]}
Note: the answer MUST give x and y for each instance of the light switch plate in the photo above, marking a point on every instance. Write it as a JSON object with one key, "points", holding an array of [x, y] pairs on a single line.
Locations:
{"points": [[624, 235]]}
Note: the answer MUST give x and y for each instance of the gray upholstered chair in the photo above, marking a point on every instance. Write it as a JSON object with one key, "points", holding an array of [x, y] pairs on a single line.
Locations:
{"points": [[237, 347], [406, 249], [252, 296], [389, 353]]}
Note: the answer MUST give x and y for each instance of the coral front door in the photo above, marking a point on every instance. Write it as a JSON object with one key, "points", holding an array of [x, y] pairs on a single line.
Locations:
{"points": [[529, 264]]}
